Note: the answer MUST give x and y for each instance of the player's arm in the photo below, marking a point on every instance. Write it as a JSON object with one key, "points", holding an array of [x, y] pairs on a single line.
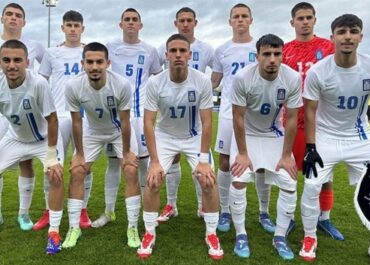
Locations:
{"points": [[312, 156], [79, 157], [203, 170], [286, 161], [155, 170], [52, 166], [216, 78], [129, 158], [242, 161]]}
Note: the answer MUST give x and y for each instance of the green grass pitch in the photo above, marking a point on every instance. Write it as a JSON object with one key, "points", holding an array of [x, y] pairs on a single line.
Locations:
{"points": [[181, 240]]}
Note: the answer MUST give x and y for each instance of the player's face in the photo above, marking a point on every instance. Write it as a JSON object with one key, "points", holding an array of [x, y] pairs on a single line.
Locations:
{"points": [[178, 54], [95, 65], [269, 61], [14, 63], [72, 30], [185, 23], [346, 39], [303, 22], [130, 23], [13, 19], [240, 19]]}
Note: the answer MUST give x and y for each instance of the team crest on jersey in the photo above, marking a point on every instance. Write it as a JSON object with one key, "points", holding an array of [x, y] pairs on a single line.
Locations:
{"points": [[252, 57], [191, 96], [319, 54], [366, 85], [110, 101], [281, 94], [26, 104], [140, 59], [195, 56]]}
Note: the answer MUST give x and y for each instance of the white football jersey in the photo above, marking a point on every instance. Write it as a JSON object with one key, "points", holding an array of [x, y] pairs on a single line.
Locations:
{"points": [[60, 64], [230, 58], [264, 100], [178, 104], [201, 55], [136, 62], [342, 95], [101, 106], [26, 107]]}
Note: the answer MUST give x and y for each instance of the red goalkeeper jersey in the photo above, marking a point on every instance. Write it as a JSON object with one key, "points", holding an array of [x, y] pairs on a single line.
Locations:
{"points": [[301, 55]]}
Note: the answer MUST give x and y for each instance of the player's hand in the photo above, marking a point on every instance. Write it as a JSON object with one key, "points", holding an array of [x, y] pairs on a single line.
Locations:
{"points": [[155, 175], [130, 159], [310, 159], [55, 172], [205, 175], [241, 164], [288, 163], [78, 161]]}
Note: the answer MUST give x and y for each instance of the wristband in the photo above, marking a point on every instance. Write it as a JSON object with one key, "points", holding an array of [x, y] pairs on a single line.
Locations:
{"points": [[203, 158], [51, 157]]}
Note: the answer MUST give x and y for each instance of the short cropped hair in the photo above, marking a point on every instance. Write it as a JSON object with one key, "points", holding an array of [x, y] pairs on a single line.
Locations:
{"points": [[185, 10], [302, 5], [346, 20], [95, 47], [130, 9], [17, 6], [14, 44], [269, 40], [177, 37], [72, 15], [241, 5]]}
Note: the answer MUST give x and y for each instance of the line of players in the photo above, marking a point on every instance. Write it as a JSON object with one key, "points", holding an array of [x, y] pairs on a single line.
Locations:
{"points": [[108, 126]]}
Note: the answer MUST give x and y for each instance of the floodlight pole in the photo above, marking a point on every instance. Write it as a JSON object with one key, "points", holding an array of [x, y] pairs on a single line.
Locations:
{"points": [[49, 4]]}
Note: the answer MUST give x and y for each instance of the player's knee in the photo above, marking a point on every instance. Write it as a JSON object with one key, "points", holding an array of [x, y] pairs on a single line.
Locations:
{"points": [[239, 185], [224, 164], [130, 173], [77, 174]]}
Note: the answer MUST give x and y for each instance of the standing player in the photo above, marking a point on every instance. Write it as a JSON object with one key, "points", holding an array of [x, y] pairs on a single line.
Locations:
{"points": [[259, 94], [58, 65], [136, 61], [229, 59], [183, 98], [13, 20], [33, 132], [300, 54], [106, 100], [201, 57], [336, 94]]}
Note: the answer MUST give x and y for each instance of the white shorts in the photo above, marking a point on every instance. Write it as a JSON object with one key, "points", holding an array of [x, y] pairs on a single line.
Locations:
{"points": [[13, 151], [225, 132], [94, 142], [4, 124], [137, 125], [168, 147], [110, 150], [355, 153], [265, 153]]}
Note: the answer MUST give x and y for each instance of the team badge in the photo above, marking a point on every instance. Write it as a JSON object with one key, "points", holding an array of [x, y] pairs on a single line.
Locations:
{"points": [[252, 57], [191, 96], [221, 144], [319, 54], [110, 101], [26, 104], [366, 85], [195, 56], [140, 59], [281, 94]]}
